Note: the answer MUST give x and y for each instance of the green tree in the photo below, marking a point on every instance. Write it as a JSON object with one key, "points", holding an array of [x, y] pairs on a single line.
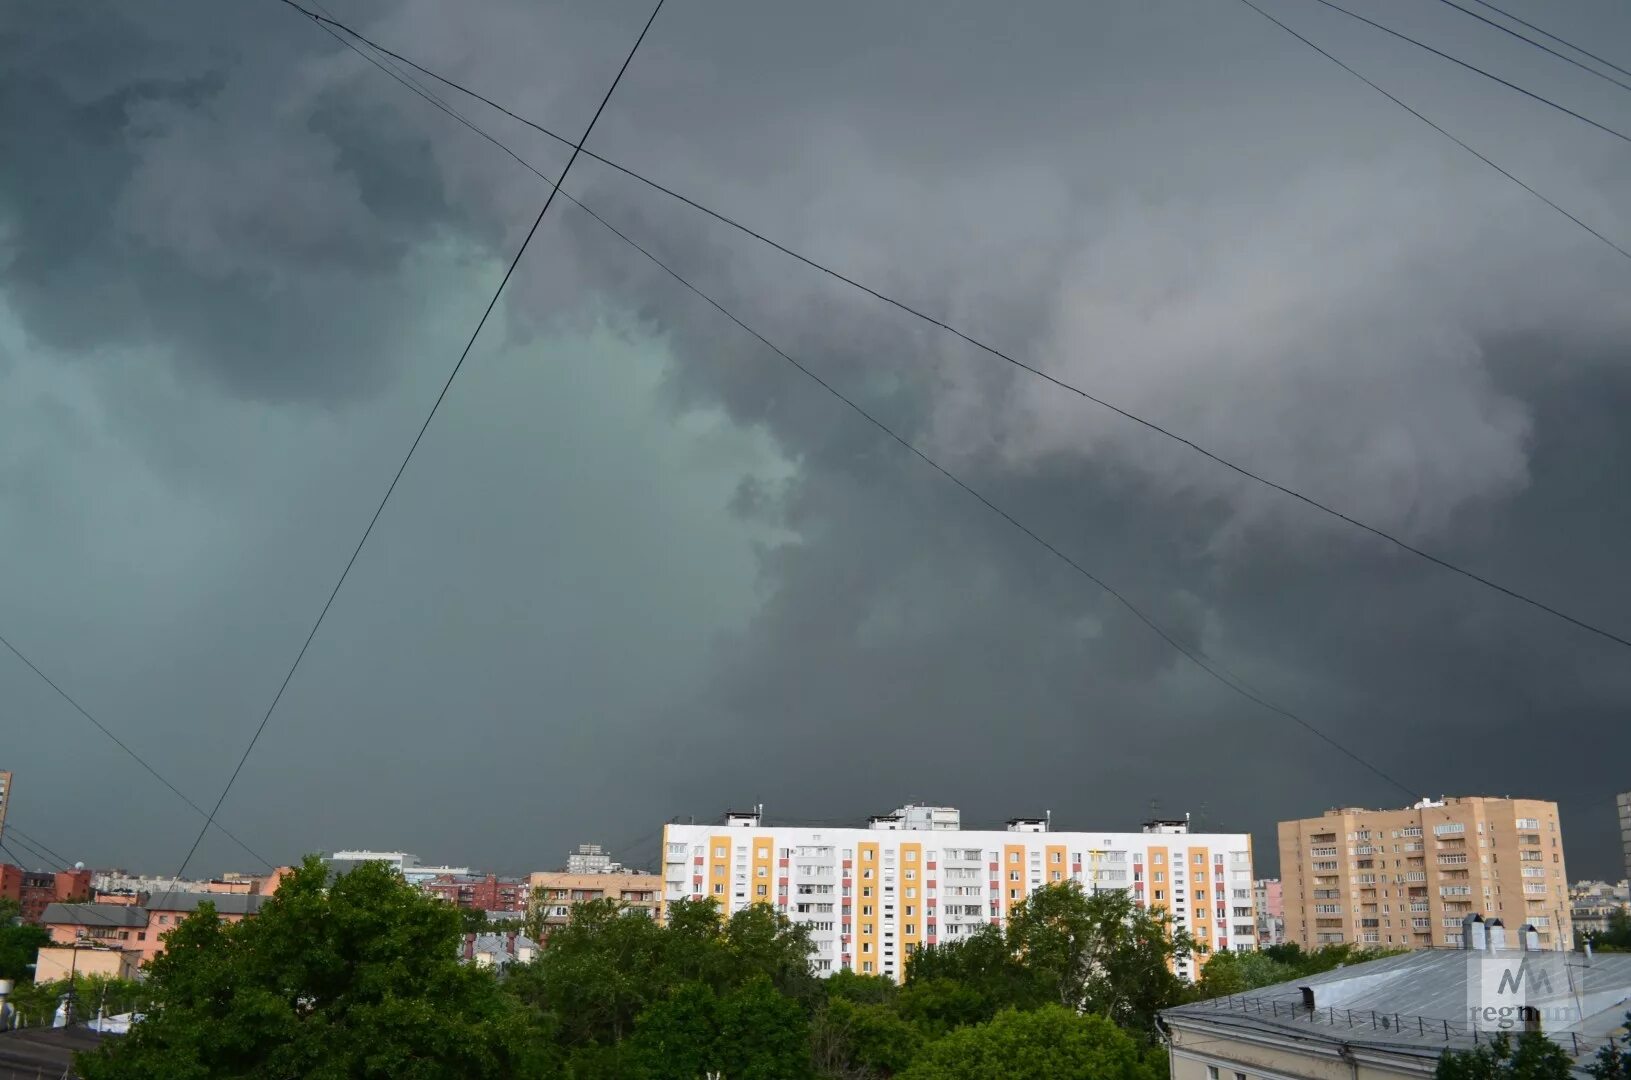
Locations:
{"points": [[1613, 1060], [1050, 1043], [1100, 952], [1533, 1057], [983, 965], [753, 1032], [19, 942], [1236, 973], [936, 1006], [357, 979], [610, 964], [1615, 937], [856, 1039]]}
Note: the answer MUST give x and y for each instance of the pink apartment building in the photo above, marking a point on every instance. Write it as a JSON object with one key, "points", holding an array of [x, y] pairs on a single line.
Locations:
{"points": [[140, 928]]}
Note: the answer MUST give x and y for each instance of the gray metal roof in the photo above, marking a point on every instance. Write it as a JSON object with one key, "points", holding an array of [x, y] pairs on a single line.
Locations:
{"points": [[122, 915], [225, 903], [1417, 1003]]}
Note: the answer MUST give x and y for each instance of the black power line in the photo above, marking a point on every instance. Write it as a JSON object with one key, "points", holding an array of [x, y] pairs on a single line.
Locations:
{"points": [[1475, 68], [1209, 666], [39, 848], [1551, 37], [1452, 138], [1588, 69], [120, 743], [446, 386], [1054, 380]]}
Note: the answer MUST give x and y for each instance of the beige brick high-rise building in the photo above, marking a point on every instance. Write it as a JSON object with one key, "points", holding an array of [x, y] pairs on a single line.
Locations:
{"points": [[1406, 878]]}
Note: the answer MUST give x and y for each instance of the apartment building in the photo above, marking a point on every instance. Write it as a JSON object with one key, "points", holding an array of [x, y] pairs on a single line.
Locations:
{"points": [[1593, 903], [479, 892], [1623, 804], [1407, 878], [872, 896], [1268, 899], [557, 891], [35, 890], [140, 928]]}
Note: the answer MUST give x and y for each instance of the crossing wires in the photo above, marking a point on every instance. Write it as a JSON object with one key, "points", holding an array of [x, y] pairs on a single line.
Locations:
{"points": [[577, 148], [1194, 655]]}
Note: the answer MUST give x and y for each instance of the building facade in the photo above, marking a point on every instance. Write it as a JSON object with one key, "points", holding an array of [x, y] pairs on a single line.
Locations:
{"points": [[1591, 903], [140, 928], [1268, 898], [1623, 804], [408, 865], [592, 859], [479, 892], [498, 951], [35, 890], [872, 896], [1406, 878], [554, 892]]}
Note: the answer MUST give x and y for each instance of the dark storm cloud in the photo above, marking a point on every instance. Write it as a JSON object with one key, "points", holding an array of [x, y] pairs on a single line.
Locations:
{"points": [[1173, 202]]}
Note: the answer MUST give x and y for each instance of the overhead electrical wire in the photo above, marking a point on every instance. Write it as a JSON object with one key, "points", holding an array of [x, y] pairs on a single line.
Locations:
{"points": [[1249, 474], [37, 847], [1487, 161], [1551, 37], [1475, 68], [1587, 68], [121, 744], [435, 406], [1206, 664]]}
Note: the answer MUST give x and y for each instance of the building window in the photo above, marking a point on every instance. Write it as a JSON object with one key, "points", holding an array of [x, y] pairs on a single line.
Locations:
{"points": [[1158, 858], [719, 853], [761, 871], [761, 890], [911, 856], [719, 888], [866, 967], [1211, 1072], [1056, 856], [866, 854], [1199, 858]]}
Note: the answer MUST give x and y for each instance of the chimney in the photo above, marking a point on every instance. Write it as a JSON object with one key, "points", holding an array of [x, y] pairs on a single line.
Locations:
{"points": [[469, 946], [1497, 934], [1472, 932], [1530, 937], [511, 944]]}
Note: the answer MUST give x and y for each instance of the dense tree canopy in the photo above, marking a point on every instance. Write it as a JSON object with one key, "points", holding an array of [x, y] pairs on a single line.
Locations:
{"points": [[1532, 1057], [360, 977], [355, 979], [1049, 1043], [19, 942]]}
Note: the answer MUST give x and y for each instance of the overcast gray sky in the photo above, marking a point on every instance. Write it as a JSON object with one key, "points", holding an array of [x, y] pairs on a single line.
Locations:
{"points": [[640, 567]]}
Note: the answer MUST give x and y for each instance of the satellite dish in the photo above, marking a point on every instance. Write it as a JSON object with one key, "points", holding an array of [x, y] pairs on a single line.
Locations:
{"points": [[79, 866]]}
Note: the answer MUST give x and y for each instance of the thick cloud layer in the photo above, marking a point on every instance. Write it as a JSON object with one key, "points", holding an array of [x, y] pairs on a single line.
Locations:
{"points": [[642, 567]]}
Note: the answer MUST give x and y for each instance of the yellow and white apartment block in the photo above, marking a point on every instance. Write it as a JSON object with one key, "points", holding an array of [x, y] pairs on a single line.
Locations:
{"points": [[872, 896]]}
